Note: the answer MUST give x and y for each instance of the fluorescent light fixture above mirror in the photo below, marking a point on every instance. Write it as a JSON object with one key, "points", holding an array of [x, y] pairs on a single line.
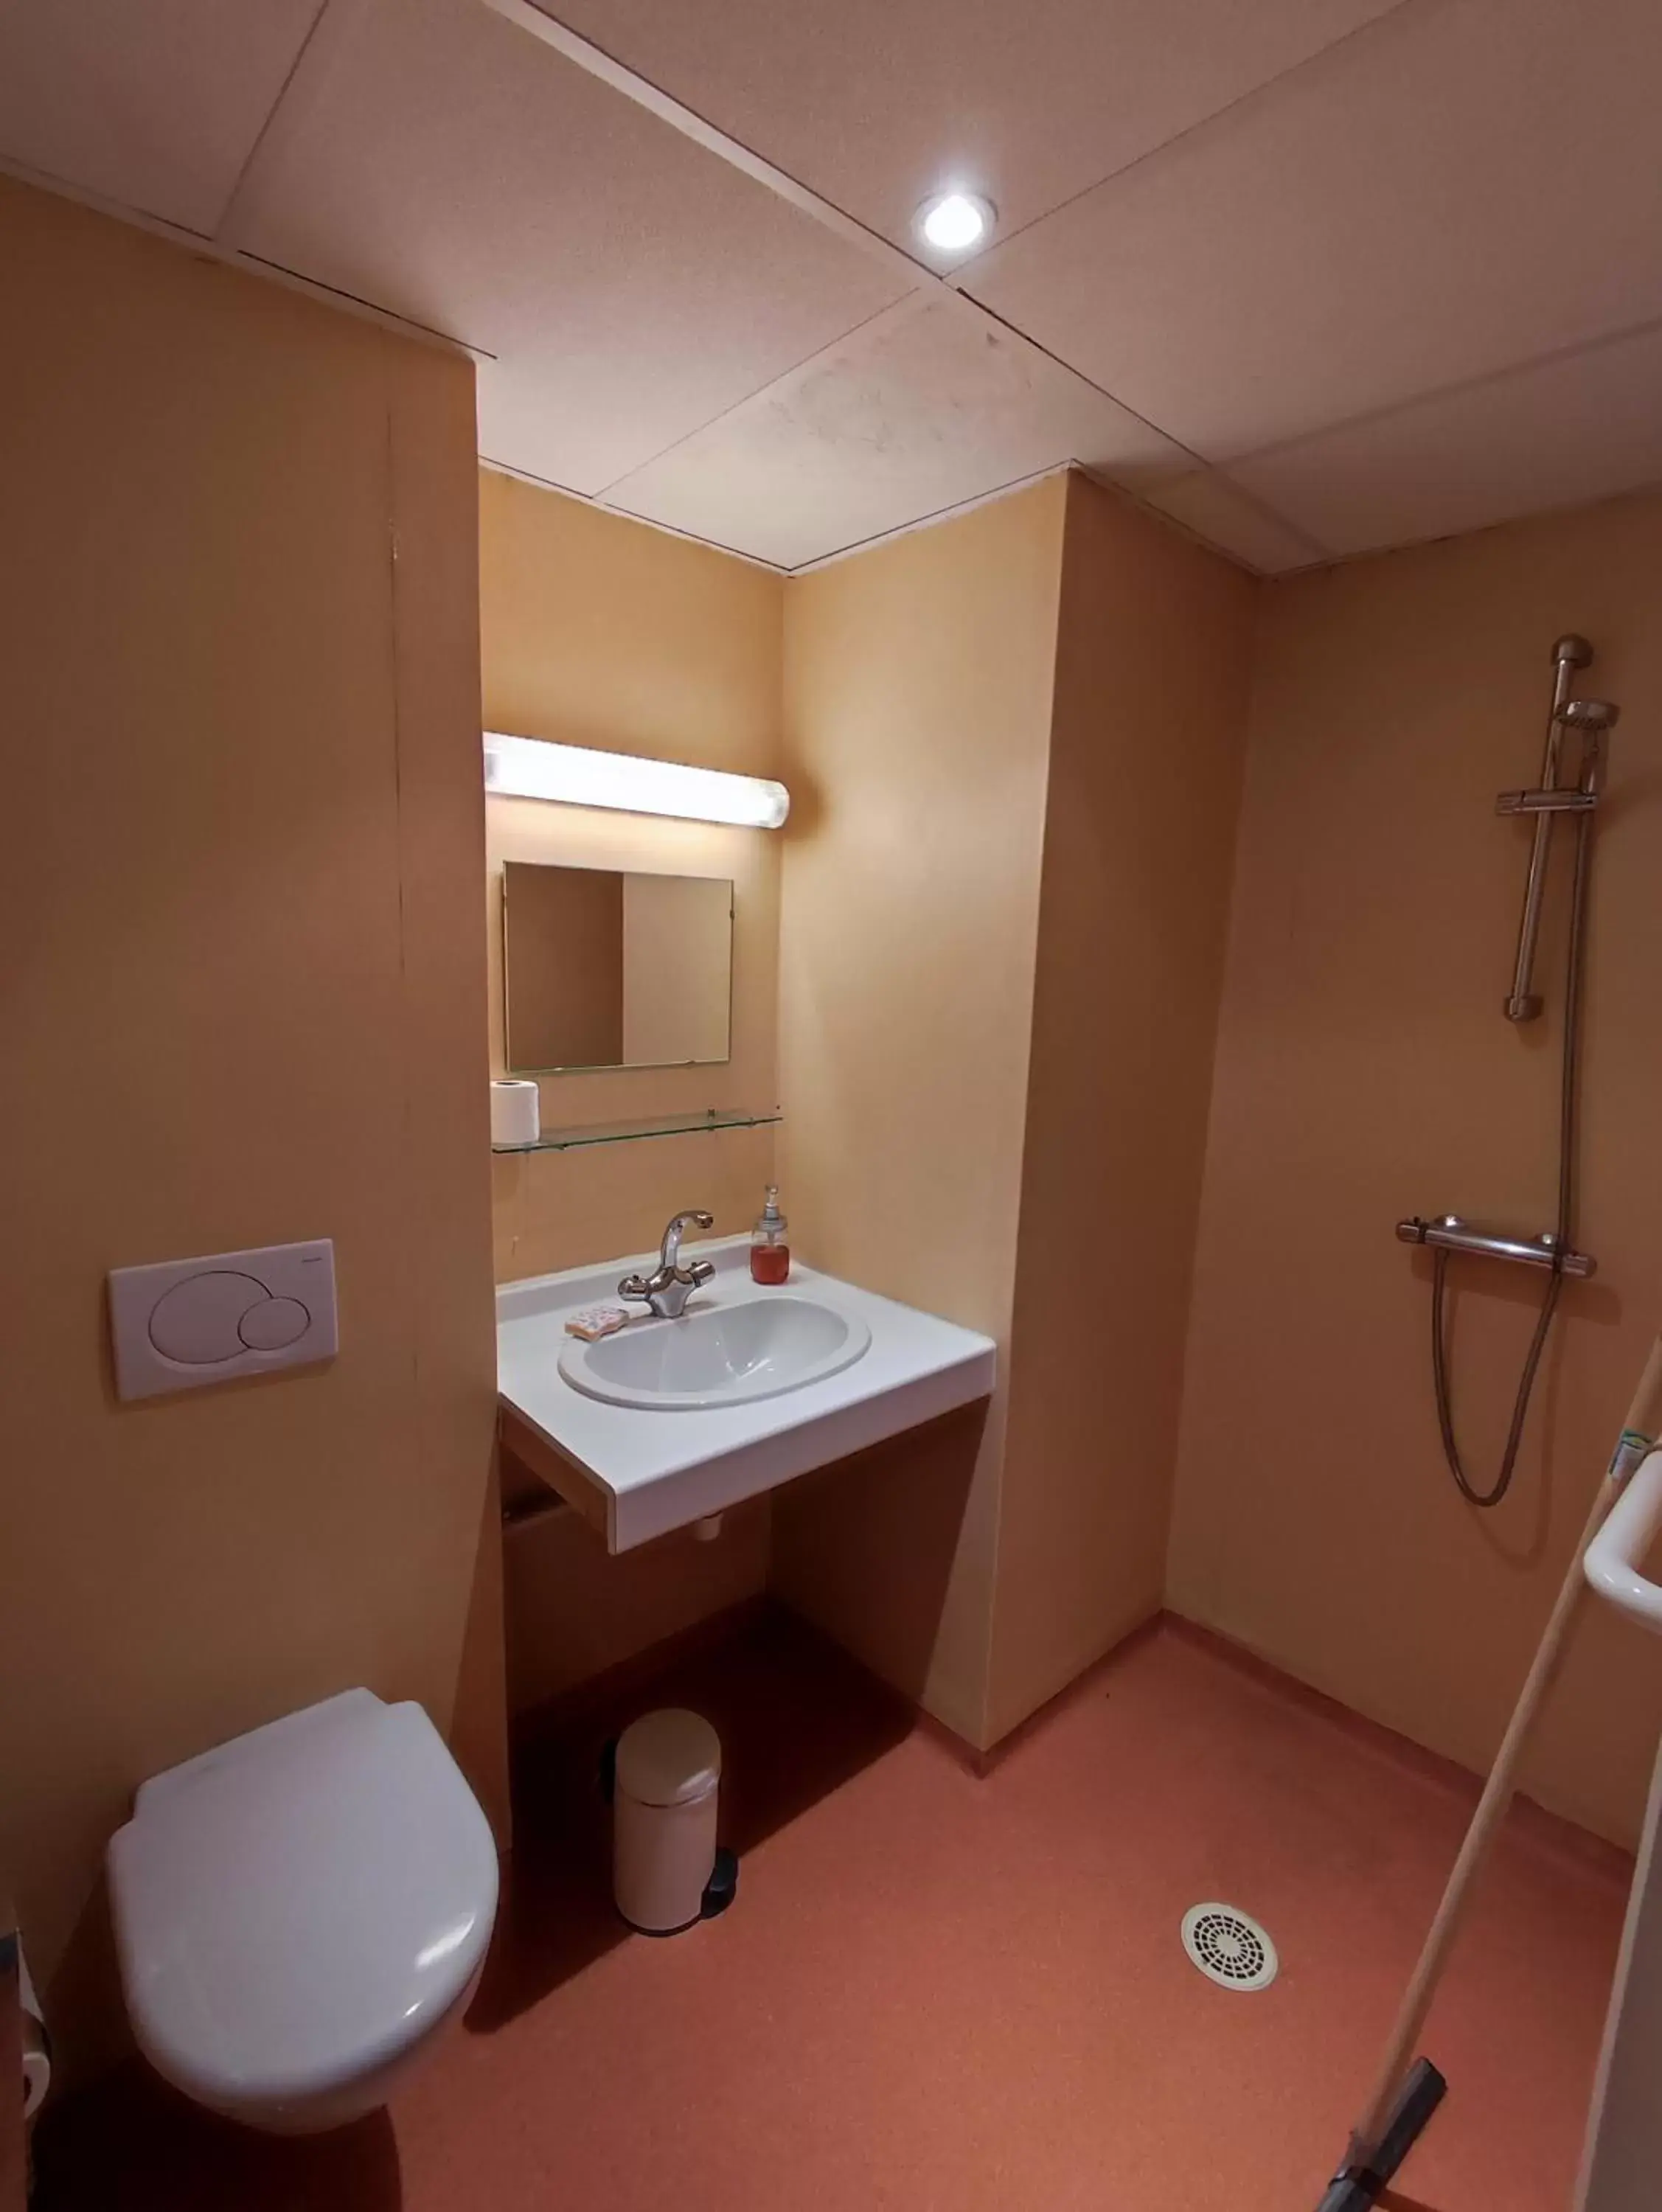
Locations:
{"points": [[527, 768]]}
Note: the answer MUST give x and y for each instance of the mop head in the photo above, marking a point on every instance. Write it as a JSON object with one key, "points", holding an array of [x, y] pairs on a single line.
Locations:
{"points": [[1367, 2173]]}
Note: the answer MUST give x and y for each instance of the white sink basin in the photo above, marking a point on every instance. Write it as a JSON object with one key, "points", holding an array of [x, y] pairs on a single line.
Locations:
{"points": [[724, 1355], [667, 1422]]}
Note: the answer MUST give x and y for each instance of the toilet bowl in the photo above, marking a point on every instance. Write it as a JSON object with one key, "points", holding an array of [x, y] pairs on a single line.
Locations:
{"points": [[302, 1912]]}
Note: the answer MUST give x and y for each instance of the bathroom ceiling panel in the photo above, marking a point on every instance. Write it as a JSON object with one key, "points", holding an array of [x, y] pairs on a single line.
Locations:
{"points": [[153, 104], [1205, 501], [931, 405], [875, 103], [1580, 426], [441, 164], [1455, 190]]}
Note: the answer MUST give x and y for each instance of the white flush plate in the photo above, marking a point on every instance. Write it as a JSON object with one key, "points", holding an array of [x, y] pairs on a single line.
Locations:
{"points": [[182, 1323]]}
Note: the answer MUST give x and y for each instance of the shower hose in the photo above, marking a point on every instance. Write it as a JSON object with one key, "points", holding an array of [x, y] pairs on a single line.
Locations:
{"points": [[1563, 1229]]}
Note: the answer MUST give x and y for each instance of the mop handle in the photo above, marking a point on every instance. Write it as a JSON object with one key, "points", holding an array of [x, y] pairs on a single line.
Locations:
{"points": [[1639, 1433]]}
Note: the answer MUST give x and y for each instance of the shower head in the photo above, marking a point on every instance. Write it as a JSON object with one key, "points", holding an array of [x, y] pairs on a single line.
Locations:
{"points": [[1593, 716], [1572, 649]]}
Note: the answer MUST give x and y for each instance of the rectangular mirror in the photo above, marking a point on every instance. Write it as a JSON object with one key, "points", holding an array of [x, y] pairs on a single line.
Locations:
{"points": [[605, 969]]}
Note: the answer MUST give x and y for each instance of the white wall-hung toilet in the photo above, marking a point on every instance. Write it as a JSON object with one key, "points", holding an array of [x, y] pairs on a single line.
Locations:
{"points": [[300, 1912]]}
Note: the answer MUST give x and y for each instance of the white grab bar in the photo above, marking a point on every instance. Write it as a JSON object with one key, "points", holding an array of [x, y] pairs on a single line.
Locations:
{"points": [[1611, 1563]]}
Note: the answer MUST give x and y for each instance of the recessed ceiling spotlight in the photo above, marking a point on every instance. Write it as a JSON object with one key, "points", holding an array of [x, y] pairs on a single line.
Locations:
{"points": [[951, 222]]}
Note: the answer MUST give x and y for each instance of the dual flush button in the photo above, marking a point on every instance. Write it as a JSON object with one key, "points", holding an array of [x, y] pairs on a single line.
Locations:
{"points": [[221, 1313], [182, 1323]]}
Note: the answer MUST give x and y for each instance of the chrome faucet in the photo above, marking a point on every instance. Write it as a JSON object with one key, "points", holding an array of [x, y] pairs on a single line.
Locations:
{"points": [[670, 1285]]}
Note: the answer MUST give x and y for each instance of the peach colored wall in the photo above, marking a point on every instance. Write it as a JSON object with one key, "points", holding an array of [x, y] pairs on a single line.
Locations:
{"points": [[244, 1001], [574, 1612], [918, 691], [1148, 742], [1365, 1072], [600, 631]]}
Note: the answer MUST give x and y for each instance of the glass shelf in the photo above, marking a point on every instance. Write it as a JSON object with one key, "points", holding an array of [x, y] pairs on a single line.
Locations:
{"points": [[662, 1125]]}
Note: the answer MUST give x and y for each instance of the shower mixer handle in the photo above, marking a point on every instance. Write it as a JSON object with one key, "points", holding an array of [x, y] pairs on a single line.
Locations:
{"points": [[1447, 1232]]}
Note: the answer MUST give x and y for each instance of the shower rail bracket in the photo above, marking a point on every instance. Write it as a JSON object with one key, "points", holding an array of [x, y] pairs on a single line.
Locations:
{"points": [[1447, 1232], [1564, 800]]}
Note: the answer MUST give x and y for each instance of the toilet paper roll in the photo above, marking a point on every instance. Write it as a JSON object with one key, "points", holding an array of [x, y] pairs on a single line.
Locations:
{"points": [[516, 1114], [37, 2045]]}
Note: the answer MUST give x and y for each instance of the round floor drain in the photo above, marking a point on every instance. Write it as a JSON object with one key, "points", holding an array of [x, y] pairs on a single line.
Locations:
{"points": [[1229, 1947]]}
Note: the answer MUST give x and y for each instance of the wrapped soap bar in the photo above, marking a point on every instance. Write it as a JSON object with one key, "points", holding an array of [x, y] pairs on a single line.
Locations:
{"points": [[596, 1321]]}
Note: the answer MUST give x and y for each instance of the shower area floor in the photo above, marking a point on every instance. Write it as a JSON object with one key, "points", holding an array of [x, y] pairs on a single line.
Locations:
{"points": [[942, 1991]]}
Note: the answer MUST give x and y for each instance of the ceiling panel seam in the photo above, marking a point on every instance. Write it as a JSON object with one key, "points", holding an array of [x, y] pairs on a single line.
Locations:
{"points": [[1453, 533], [230, 257], [624, 515], [838, 552], [240, 257], [159, 225], [992, 315], [1577, 349], [1202, 122], [910, 302], [336, 21], [253, 154], [587, 55], [540, 24], [936, 514], [1320, 555], [1260, 506]]}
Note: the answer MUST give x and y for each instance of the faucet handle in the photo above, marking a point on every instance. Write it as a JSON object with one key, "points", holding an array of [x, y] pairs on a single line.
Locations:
{"points": [[701, 1271], [634, 1286]]}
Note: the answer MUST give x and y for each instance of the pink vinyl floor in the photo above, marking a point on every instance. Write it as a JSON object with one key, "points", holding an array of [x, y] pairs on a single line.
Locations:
{"points": [[950, 1993]]}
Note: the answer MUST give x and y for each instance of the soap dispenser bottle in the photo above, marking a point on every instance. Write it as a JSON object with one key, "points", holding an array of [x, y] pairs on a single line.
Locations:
{"points": [[769, 1243]]}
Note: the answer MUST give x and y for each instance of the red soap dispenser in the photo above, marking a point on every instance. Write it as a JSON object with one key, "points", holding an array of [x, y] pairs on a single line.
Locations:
{"points": [[769, 1243]]}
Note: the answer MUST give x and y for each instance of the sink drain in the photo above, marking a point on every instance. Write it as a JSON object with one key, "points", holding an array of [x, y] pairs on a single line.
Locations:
{"points": [[1229, 1947]]}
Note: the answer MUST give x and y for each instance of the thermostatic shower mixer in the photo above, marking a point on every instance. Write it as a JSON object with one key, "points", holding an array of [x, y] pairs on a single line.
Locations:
{"points": [[1590, 721]]}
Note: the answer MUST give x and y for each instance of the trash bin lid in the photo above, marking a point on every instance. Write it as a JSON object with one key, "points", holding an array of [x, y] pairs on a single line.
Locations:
{"points": [[668, 1757]]}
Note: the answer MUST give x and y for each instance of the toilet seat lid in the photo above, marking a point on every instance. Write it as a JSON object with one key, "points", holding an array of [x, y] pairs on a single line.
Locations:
{"points": [[302, 1902]]}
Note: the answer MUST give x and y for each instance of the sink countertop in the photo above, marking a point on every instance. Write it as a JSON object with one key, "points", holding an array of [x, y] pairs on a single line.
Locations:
{"points": [[648, 1470]]}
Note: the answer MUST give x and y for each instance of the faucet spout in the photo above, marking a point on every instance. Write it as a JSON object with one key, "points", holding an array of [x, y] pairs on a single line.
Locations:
{"points": [[669, 1253]]}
